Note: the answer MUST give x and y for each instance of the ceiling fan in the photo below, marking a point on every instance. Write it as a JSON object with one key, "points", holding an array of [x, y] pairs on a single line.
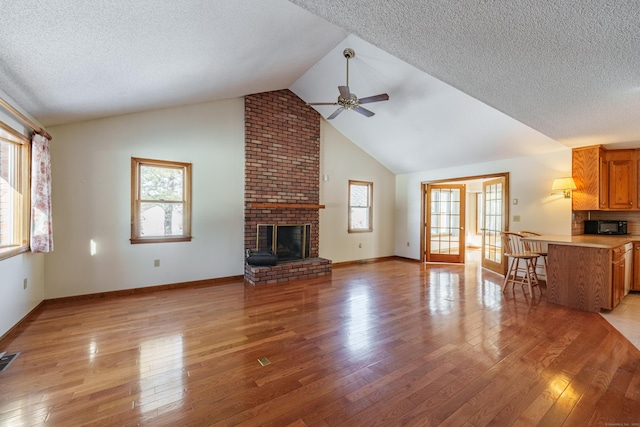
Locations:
{"points": [[348, 100]]}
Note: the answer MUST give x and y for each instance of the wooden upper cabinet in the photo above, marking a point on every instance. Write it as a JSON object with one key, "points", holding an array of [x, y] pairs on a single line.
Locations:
{"points": [[603, 199], [590, 173], [605, 179], [622, 179]]}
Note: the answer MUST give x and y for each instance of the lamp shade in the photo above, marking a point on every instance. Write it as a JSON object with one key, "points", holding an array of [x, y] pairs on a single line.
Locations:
{"points": [[562, 184]]}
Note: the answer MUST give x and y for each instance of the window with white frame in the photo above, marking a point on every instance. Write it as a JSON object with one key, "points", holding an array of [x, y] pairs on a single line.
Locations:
{"points": [[160, 201], [14, 192], [360, 206]]}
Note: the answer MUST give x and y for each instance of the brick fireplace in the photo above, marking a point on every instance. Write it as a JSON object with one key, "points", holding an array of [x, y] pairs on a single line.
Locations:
{"points": [[282, 178]]}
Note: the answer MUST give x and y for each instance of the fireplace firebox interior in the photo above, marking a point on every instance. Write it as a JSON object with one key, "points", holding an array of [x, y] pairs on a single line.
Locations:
{"points": [[289, 241]]}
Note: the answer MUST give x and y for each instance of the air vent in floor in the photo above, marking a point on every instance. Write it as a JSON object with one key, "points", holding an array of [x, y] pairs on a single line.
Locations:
{"points": [[6, 359]]}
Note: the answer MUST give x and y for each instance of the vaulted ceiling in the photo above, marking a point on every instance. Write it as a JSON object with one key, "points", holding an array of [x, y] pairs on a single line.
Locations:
{"points": [[468, 81]]}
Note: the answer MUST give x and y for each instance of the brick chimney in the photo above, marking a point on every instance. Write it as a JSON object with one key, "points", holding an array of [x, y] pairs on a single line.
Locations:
{"points": [[282, 178]]}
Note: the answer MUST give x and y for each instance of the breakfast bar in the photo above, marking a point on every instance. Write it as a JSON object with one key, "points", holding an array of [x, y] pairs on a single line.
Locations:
{"points": [[589, 272]]}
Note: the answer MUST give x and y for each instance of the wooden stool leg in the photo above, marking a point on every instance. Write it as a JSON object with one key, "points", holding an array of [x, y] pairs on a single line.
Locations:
{"points": [[514, 279], [511, 261], [529, 265]]}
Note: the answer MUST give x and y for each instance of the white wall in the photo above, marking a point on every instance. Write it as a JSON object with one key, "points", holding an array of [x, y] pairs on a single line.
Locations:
{"points": [[342, 161], [530, 183], [91, 169], [16, 302]]}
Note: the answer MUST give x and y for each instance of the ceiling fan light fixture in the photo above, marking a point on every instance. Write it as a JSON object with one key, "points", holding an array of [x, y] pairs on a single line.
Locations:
{"points": [[348, 100]]}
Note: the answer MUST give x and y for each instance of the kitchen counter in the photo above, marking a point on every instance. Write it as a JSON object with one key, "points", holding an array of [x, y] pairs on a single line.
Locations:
{"points": [[586, 240], [587, 272]]}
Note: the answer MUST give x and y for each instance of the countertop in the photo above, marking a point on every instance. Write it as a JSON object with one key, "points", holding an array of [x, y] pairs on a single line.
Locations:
{"points": [[586, 240]]}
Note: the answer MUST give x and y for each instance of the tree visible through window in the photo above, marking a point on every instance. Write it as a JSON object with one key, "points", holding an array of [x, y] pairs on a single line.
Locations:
{"points": [[360, 206], [14, 192], [161, 201]]}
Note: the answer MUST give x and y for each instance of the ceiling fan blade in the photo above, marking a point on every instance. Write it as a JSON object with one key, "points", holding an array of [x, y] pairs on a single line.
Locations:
{"points": [[363, 111], [322, 103], [344, 92], [335, 113], [374, 98]]}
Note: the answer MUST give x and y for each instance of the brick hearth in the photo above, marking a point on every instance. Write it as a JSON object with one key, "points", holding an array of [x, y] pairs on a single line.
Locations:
{"points": [[304, 269], [282, 166]]}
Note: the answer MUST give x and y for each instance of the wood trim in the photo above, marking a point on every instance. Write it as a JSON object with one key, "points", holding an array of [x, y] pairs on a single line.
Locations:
{"points": [[139, 240], [372, 260], [423, 205], [13, 136], [20, 322], [136, 165], [257, 205], [449, 258], [369, 185], [148, 289], [9, 252], [24, 119]]}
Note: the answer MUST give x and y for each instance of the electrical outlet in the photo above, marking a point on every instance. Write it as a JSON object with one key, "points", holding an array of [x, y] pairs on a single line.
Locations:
{"points": [[24, 283], [156, 263], [516, 218], [360, 245], [408, 244]]}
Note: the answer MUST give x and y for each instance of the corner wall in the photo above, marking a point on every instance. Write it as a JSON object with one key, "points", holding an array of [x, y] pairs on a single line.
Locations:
{"points": [[91, 175], [16, 302], [530, 180], [341, 161]]}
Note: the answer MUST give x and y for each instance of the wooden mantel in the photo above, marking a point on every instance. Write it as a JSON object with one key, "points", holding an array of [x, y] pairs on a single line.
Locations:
{"points": [[256, 205]]}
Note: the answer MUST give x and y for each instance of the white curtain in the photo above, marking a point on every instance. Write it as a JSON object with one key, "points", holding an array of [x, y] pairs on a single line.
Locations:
{"points": [[41, 224]]}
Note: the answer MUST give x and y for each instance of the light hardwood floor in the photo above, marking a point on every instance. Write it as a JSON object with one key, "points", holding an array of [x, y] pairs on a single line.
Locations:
{"points": [[390, 343]]}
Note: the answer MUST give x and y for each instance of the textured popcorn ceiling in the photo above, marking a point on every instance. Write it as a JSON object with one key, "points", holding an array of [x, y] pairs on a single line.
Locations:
{"points": [[72, 60], [568, 68], [469, 81]]}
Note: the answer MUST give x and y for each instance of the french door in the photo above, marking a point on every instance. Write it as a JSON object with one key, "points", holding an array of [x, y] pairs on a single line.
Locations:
{"points": [[494, 221], [445, 220]]}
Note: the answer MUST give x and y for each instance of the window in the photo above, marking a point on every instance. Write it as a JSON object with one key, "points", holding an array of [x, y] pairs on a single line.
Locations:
{"points": [[360, 206], [14, 192], [160, 201]]}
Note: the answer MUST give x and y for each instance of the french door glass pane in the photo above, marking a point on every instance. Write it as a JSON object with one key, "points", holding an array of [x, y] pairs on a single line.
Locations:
{"points": [[445, 221], [493, 222]]}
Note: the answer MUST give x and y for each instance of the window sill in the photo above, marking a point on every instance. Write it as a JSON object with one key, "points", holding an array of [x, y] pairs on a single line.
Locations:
{"points": [[368, 230], [140, 240], [11, 252]]}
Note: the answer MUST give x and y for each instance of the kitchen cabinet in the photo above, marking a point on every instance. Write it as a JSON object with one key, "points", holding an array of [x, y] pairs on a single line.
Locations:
{"points": [[620, 277], [635, 283], [590, 172], [621, 166], [605, 179], [589, 272]]}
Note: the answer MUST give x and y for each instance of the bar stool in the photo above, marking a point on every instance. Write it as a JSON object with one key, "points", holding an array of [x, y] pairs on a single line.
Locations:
{"points": [[521, 262], [540, 248]]}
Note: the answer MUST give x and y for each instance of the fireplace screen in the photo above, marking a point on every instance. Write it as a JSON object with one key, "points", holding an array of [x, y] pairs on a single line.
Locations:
{"points": [[288, 242]]}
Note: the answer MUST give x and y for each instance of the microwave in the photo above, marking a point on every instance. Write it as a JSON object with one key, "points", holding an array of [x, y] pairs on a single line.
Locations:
{"points": [[599, 226]]}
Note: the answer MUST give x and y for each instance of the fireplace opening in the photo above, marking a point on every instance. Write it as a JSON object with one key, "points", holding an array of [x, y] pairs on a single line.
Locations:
{"points": [[289, 241]]}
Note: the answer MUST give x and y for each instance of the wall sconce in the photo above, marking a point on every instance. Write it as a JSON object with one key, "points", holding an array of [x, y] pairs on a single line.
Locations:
{"points": [[566, 185]]}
